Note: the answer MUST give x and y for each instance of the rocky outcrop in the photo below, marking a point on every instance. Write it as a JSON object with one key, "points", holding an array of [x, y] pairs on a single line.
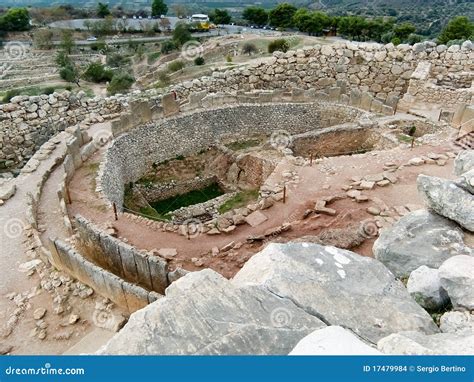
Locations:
{"points": [[409, 343], [447, 199], [419, 238], [457, 278], [203, 313], [338, 286], [333, 340], [424, 285], [464, 162]]}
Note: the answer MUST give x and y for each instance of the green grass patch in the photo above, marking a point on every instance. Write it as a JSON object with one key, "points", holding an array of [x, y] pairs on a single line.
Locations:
{"points": [[165, 206], [242, 145], [153, 57], [404, 138], [241, 199]]}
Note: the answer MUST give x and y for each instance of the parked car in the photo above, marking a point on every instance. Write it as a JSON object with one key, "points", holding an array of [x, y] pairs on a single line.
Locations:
{"points": [[91, 38]]}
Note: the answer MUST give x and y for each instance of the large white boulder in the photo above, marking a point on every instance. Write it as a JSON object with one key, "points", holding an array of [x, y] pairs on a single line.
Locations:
{"points": [[419, 238], [457, 322], [333, 340], [457, 278], [425, 287], [203, 313], [338, 286]]}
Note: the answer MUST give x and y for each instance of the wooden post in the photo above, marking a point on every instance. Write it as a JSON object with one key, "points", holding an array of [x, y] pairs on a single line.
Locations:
{"points": [[412, 142], [284, 194], [311, 160], [69, 200], [115, 211]]}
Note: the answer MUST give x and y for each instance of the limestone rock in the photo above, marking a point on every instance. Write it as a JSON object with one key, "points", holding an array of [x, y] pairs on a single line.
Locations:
{"points": [[7, 190], [457, 322], [464, 162], [457, 278], [332, 340], [338, 286], [466, 181], [203, 313], [447, 199], [424, 286], [419, 238], [411, 343]]}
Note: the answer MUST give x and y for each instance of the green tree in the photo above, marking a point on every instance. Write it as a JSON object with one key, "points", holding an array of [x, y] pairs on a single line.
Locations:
{"points": [[458, 28], [15, 19], [96, 72], [158, 8], [255, 15], [312, 23], [67, 41], [70, 73], [181, 34], [282, 15], [402, 31], [220, 16], [102, 10], [120, 83]]}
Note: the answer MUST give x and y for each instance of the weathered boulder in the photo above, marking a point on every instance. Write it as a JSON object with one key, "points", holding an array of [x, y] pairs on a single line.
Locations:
{"points": [[457, 322], [7, 190], [338, 286], [419, 238], [410, 343], [333, 340], [447, 199], [464, 162], [457, 278], [424, 286], [466, 181], [203, 313]]}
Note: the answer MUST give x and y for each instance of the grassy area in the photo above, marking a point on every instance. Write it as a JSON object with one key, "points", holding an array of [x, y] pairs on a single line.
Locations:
{"points": [[241, 199], [404, 138], [5, 97], [163, 207], [242, 145]]}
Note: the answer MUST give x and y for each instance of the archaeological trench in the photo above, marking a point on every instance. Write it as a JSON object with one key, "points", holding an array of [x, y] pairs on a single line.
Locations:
{"points": [[324, 193]]}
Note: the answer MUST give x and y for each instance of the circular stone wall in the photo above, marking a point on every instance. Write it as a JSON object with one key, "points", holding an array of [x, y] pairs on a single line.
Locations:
{"points": [[131, 154]]}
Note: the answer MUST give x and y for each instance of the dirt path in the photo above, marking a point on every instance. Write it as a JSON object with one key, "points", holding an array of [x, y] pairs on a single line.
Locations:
{"points": [[320, 180]]}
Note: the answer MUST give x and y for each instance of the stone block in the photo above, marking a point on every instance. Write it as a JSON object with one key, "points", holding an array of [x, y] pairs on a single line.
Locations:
{"points": [[170, 105]]}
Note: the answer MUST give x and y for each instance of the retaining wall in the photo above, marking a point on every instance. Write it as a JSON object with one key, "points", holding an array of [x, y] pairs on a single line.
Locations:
{"points": [[123, 260], [132, 154]]}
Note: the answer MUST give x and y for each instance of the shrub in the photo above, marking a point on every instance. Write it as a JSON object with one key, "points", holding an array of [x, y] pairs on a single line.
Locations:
{"points": [[10, 94], [49, 90], [152, 57], [229, 58], [116, 60], [280, 45], [96, 72], [199, 61], [249, 48], [120, 83], [175, 66], [167, 47], [69, 73]]}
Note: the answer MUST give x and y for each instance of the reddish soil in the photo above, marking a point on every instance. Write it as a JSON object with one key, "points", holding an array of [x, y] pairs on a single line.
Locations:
{"points": [[320, 180]]}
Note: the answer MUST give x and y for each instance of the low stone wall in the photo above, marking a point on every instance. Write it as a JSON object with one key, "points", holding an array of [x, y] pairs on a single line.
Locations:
{"points": [[27, 122], [382, 70], [132, 154], [123, 260], [124, 294]]}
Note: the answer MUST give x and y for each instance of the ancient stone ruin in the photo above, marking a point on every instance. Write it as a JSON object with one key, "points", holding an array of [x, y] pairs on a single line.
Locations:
{"points": [[318, 196]]}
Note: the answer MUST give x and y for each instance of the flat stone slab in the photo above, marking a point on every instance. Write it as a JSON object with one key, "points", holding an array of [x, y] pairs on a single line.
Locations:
{"points": [[256, 218]]}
